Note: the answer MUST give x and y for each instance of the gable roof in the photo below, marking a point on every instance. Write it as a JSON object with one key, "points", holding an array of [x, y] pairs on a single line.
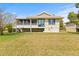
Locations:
{"points": [[44, 13]]}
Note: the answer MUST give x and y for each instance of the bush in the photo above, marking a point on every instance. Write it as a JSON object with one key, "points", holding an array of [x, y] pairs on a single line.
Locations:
{"points": [[1, 30], [9, 27]]}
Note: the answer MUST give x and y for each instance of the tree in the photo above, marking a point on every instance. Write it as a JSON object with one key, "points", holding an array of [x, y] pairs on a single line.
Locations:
{"points": [[61, 25], [73, 18], [6, 19], [10, 21], [1, 21], [77, 6], [9, 27]]}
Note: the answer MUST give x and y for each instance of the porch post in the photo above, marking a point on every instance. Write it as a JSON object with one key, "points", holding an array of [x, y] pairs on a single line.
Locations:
{"points": [[30, 25], [37, 22], [23, 22], [46, 25], [16, 30]]}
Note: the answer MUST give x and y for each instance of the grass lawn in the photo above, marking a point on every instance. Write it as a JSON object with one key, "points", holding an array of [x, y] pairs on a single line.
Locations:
{"points": [[39, 44]]}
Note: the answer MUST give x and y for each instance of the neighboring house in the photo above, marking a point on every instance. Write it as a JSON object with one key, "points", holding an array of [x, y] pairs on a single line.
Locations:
{"points": [[42, 22], [71, 27]]}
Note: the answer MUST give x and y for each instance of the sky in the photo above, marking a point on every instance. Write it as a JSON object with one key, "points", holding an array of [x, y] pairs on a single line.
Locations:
{"points": [[22, 10]]}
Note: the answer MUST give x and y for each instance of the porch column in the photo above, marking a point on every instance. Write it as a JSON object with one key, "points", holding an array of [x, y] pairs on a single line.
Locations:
{"points": [[46, 25], [30, 25], [23, 22], [16, 30], [37, 21], [20, 30]]}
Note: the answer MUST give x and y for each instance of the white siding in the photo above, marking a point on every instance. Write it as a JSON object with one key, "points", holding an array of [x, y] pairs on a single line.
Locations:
{"points": [[51, 28]]}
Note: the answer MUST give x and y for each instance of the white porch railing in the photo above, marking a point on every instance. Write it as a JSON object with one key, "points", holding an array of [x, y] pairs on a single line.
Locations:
{"points": [[27, 26]]}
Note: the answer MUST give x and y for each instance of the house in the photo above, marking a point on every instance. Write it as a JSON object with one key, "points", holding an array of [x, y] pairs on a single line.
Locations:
{"points": [[42, 22], [71, 27]]}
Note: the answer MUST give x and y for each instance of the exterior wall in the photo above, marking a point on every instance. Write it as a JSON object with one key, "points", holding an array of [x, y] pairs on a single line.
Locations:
{"points": [[51, 28], [47, 28], [71, 28]]}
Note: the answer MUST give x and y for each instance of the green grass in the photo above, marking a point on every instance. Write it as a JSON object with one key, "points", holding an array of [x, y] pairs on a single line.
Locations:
{"points": [[9, 36], [39, 44]]}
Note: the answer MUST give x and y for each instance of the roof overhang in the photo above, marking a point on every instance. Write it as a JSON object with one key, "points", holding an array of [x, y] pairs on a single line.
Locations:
{"points": [[33, 17]]}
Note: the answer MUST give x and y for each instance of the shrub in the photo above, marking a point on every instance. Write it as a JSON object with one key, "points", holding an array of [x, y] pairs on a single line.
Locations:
{"points": [[9, 27]]}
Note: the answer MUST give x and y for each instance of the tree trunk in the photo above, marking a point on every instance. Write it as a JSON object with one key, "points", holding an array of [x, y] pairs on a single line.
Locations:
{"points": [[78, 14], [1, 31]]}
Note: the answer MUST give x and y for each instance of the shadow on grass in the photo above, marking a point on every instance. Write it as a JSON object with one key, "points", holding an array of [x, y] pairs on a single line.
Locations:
{"points": [[73, 32], [31, 33], [10, 34]]}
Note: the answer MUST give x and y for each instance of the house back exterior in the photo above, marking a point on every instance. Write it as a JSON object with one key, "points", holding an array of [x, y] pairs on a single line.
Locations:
{"points": [[42, 22]]}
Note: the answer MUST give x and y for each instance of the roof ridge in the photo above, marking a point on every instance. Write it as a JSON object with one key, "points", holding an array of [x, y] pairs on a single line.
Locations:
{"points": [[44, 12]]}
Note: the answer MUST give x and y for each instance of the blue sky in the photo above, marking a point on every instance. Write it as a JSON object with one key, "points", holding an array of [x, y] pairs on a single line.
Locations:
{"points": [[29, 9]]}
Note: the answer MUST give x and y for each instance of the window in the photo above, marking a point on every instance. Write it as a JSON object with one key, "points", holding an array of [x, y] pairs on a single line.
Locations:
{"points": [[41, 22], [51, 21]]}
